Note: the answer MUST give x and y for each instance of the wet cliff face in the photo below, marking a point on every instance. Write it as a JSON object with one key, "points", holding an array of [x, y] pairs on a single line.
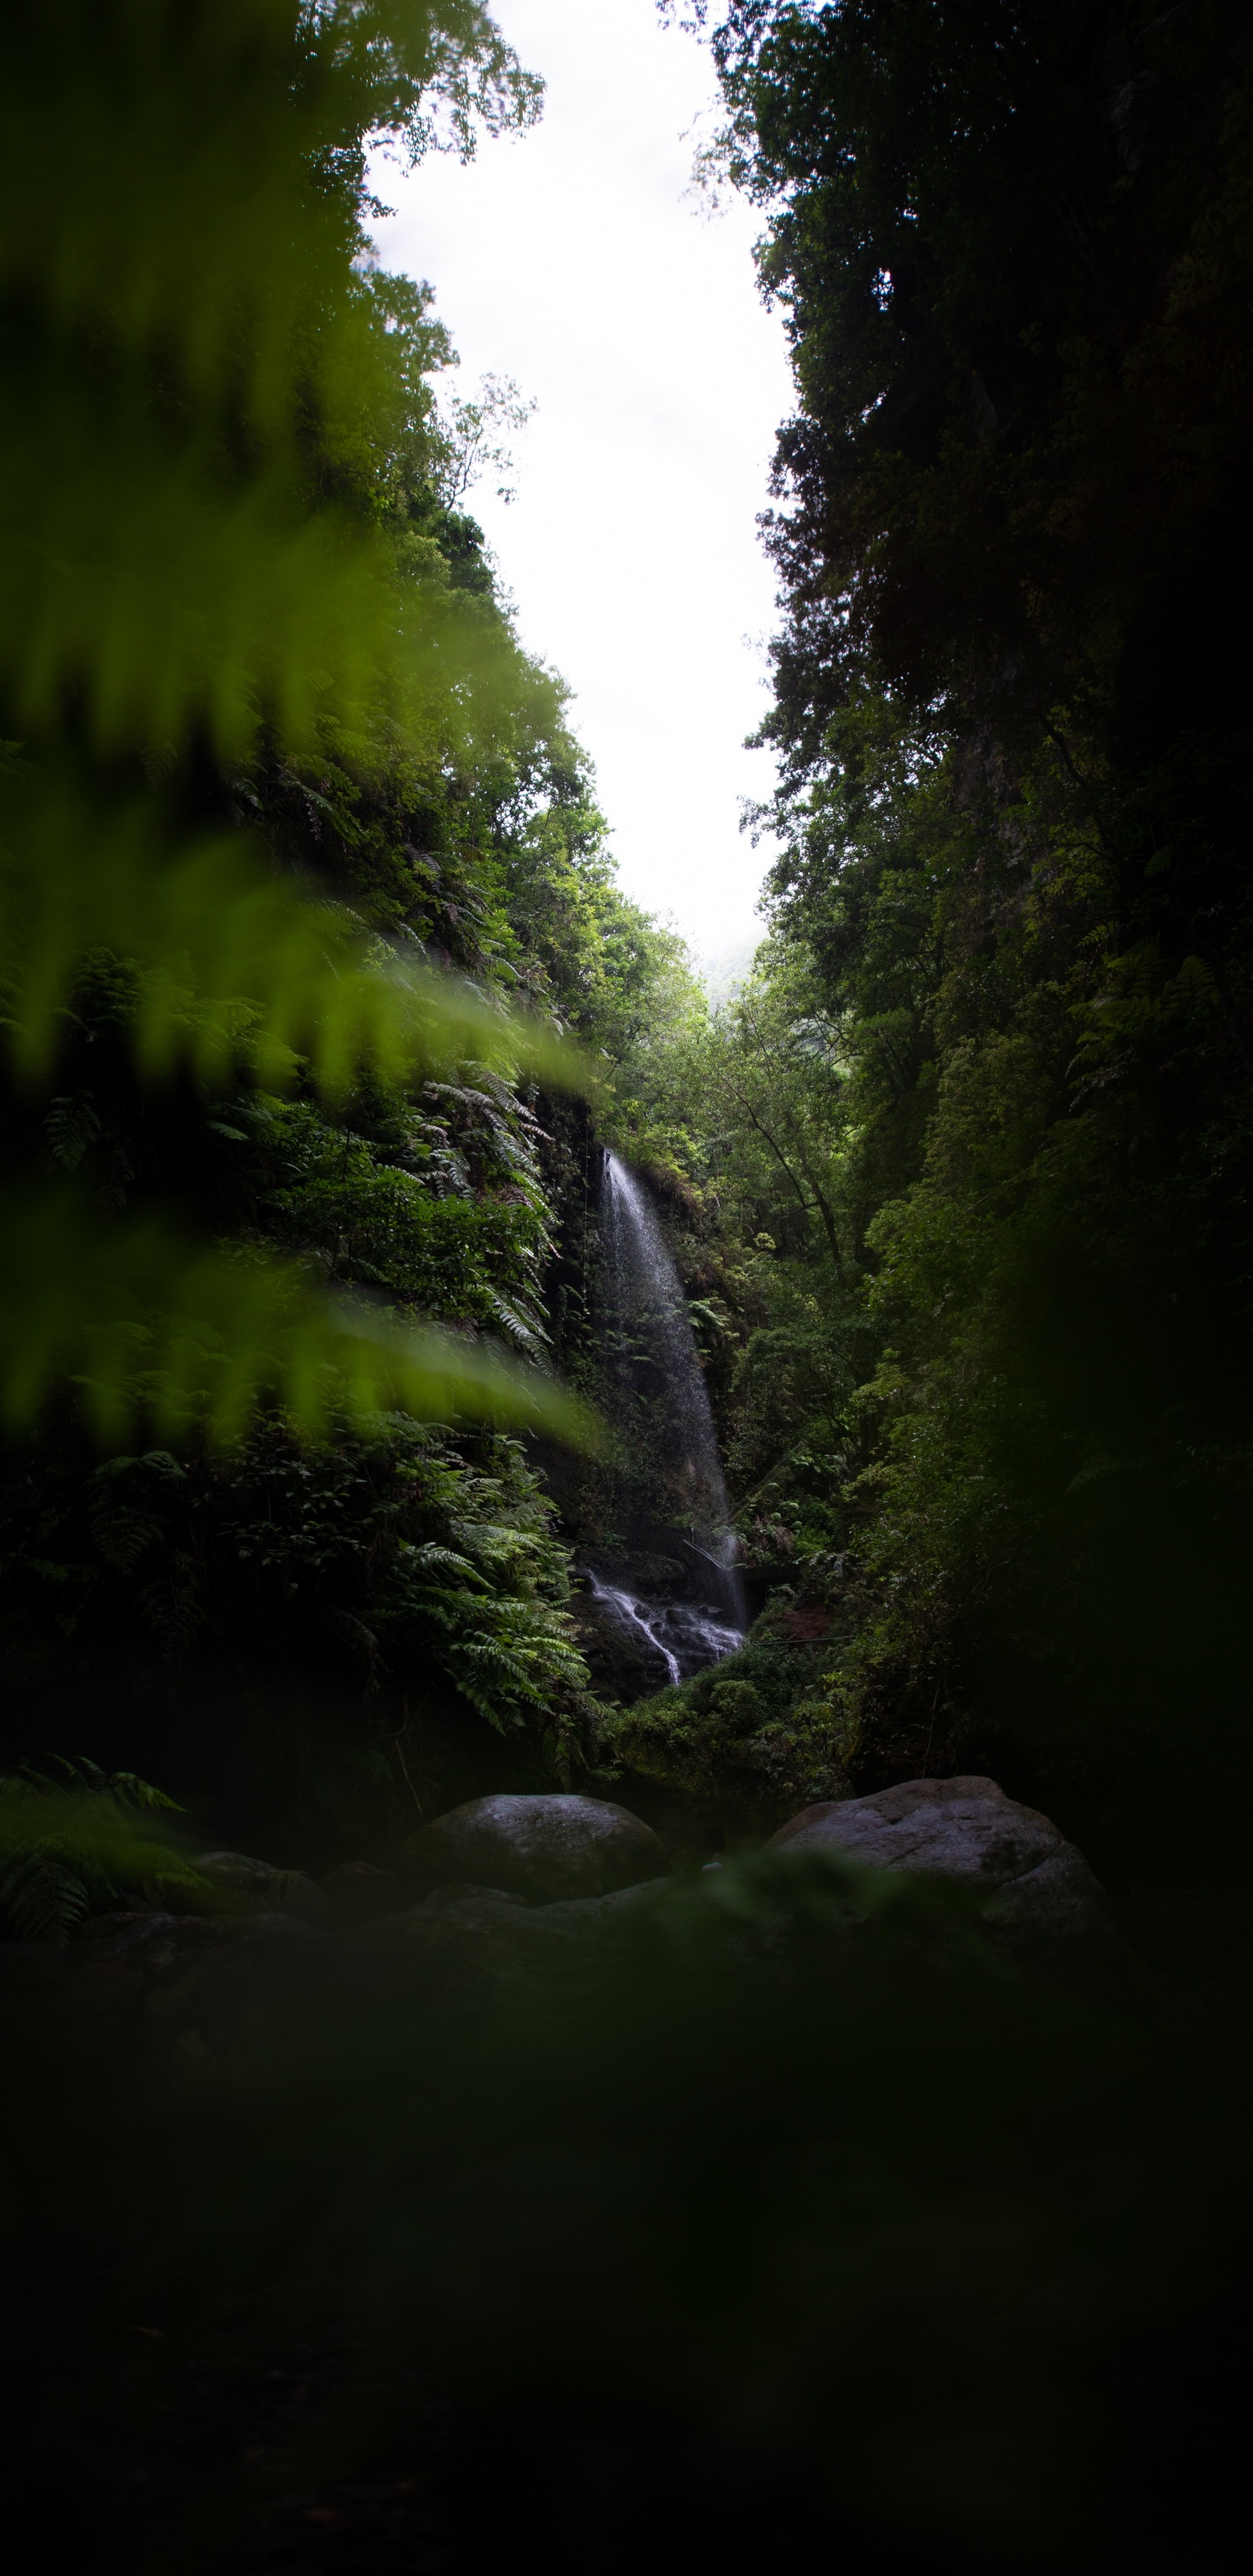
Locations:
{"points": [[646, 1622]]}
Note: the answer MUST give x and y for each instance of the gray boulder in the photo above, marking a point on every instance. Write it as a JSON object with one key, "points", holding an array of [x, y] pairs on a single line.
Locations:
{"points": [[359, 1892], [1042, 1894], [468, 1938], [542, 1849], [258, 1882]]}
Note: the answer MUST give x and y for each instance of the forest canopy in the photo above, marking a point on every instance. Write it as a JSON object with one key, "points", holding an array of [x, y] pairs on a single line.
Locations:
{"points": [[993, 1066]]}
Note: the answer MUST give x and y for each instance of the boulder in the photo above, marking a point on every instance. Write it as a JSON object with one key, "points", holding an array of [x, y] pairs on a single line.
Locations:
{"points": [[279, 1891], [207, 1987], [467, 1938], [465, 1933], [359, 1891], [541, 1848], [1042, 1894]]}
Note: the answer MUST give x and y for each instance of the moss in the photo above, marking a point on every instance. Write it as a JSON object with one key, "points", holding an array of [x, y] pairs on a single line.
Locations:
{"points": [[751, 1739]]}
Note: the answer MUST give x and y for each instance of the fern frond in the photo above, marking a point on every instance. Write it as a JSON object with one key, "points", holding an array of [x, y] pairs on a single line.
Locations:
{"points": [[43, 1897], [68, 1851], [174, 603], [196, 409], [150, 1328], [124, 1787], [220, 114], [239, 967]]}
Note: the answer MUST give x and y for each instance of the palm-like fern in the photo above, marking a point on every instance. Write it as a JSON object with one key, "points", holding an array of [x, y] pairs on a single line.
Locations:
{"points": [[200, 380]]}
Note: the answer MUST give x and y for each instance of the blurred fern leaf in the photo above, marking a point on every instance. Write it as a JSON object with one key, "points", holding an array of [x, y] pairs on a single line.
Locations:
{"points": [[240, 968], [202, 386], [153, 1329], [73, 1848]]}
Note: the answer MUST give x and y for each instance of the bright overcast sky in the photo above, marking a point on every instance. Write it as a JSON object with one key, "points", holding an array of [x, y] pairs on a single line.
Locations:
{"points": [[574, 259]]}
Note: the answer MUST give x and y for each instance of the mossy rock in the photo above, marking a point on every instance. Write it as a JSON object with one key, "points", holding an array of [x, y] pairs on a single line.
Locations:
{"points": [[748, 1740]]}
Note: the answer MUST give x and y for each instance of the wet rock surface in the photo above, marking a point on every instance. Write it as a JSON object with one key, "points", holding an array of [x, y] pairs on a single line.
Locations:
{"points": [[1044, 1897], [623, 1657], [648, 1619], [542, 1849], [284, 1890]]}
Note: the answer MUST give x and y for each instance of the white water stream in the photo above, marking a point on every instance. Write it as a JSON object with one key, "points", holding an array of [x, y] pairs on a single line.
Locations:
{"points": [[648, 1308], [649, 1331], [683, 1633]]}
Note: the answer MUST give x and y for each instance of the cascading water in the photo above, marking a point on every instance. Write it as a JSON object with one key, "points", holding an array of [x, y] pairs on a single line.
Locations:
{"points": [[657, 1396], [649, 1320], [681, 1634]]}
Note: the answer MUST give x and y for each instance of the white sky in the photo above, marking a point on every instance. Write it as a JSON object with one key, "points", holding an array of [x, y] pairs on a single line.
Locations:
{"points": [[574, 259]]}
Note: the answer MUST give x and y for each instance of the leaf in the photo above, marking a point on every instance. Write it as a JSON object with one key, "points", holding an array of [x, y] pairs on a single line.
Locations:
{"points": [[152, 1328], [239, 968]]}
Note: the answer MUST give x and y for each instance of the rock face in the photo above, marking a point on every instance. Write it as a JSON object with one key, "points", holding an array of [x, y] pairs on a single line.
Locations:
{"points": [[358, 1891], [542, 1849], [1043, 1894]]}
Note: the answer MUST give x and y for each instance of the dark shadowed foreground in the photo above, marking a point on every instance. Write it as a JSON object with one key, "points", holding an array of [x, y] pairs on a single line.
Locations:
{"points": [[773, 2214]]}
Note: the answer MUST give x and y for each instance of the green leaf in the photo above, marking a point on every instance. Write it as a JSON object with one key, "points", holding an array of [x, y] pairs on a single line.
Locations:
{"points": [[155, 1330]]}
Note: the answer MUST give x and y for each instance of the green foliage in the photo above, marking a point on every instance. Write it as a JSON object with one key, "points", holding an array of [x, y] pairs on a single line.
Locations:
{"points": [[775, 1065], [390, 1580], [231, 969], [995, 1416], [438, 1202], [141, 1321], [752, 1738], [75, 1841], [219, 500], [418, 1564], [210, 319]]}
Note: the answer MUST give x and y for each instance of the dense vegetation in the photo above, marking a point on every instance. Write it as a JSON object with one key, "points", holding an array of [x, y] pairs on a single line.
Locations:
{"points": [[977, 1130], [320, 997], [273, 752]]}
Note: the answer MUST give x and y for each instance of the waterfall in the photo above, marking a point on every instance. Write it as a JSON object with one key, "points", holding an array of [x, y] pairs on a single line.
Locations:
{"points": [[651, 1332], [672, 1481]]}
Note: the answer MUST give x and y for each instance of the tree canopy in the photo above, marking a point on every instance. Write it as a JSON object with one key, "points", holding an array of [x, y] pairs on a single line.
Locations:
{"points": [[1007, 976]]}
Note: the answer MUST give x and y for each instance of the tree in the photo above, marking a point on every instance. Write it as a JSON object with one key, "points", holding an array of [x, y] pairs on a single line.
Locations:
{"points": [[1012, 532]]}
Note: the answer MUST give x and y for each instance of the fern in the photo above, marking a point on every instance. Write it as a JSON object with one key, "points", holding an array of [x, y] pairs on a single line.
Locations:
{"points": [[77, 1844], [45, 1895], [237, 966], [170, 554], [225, 117], [151, 1328], [125, 1787], [203, 381]]}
